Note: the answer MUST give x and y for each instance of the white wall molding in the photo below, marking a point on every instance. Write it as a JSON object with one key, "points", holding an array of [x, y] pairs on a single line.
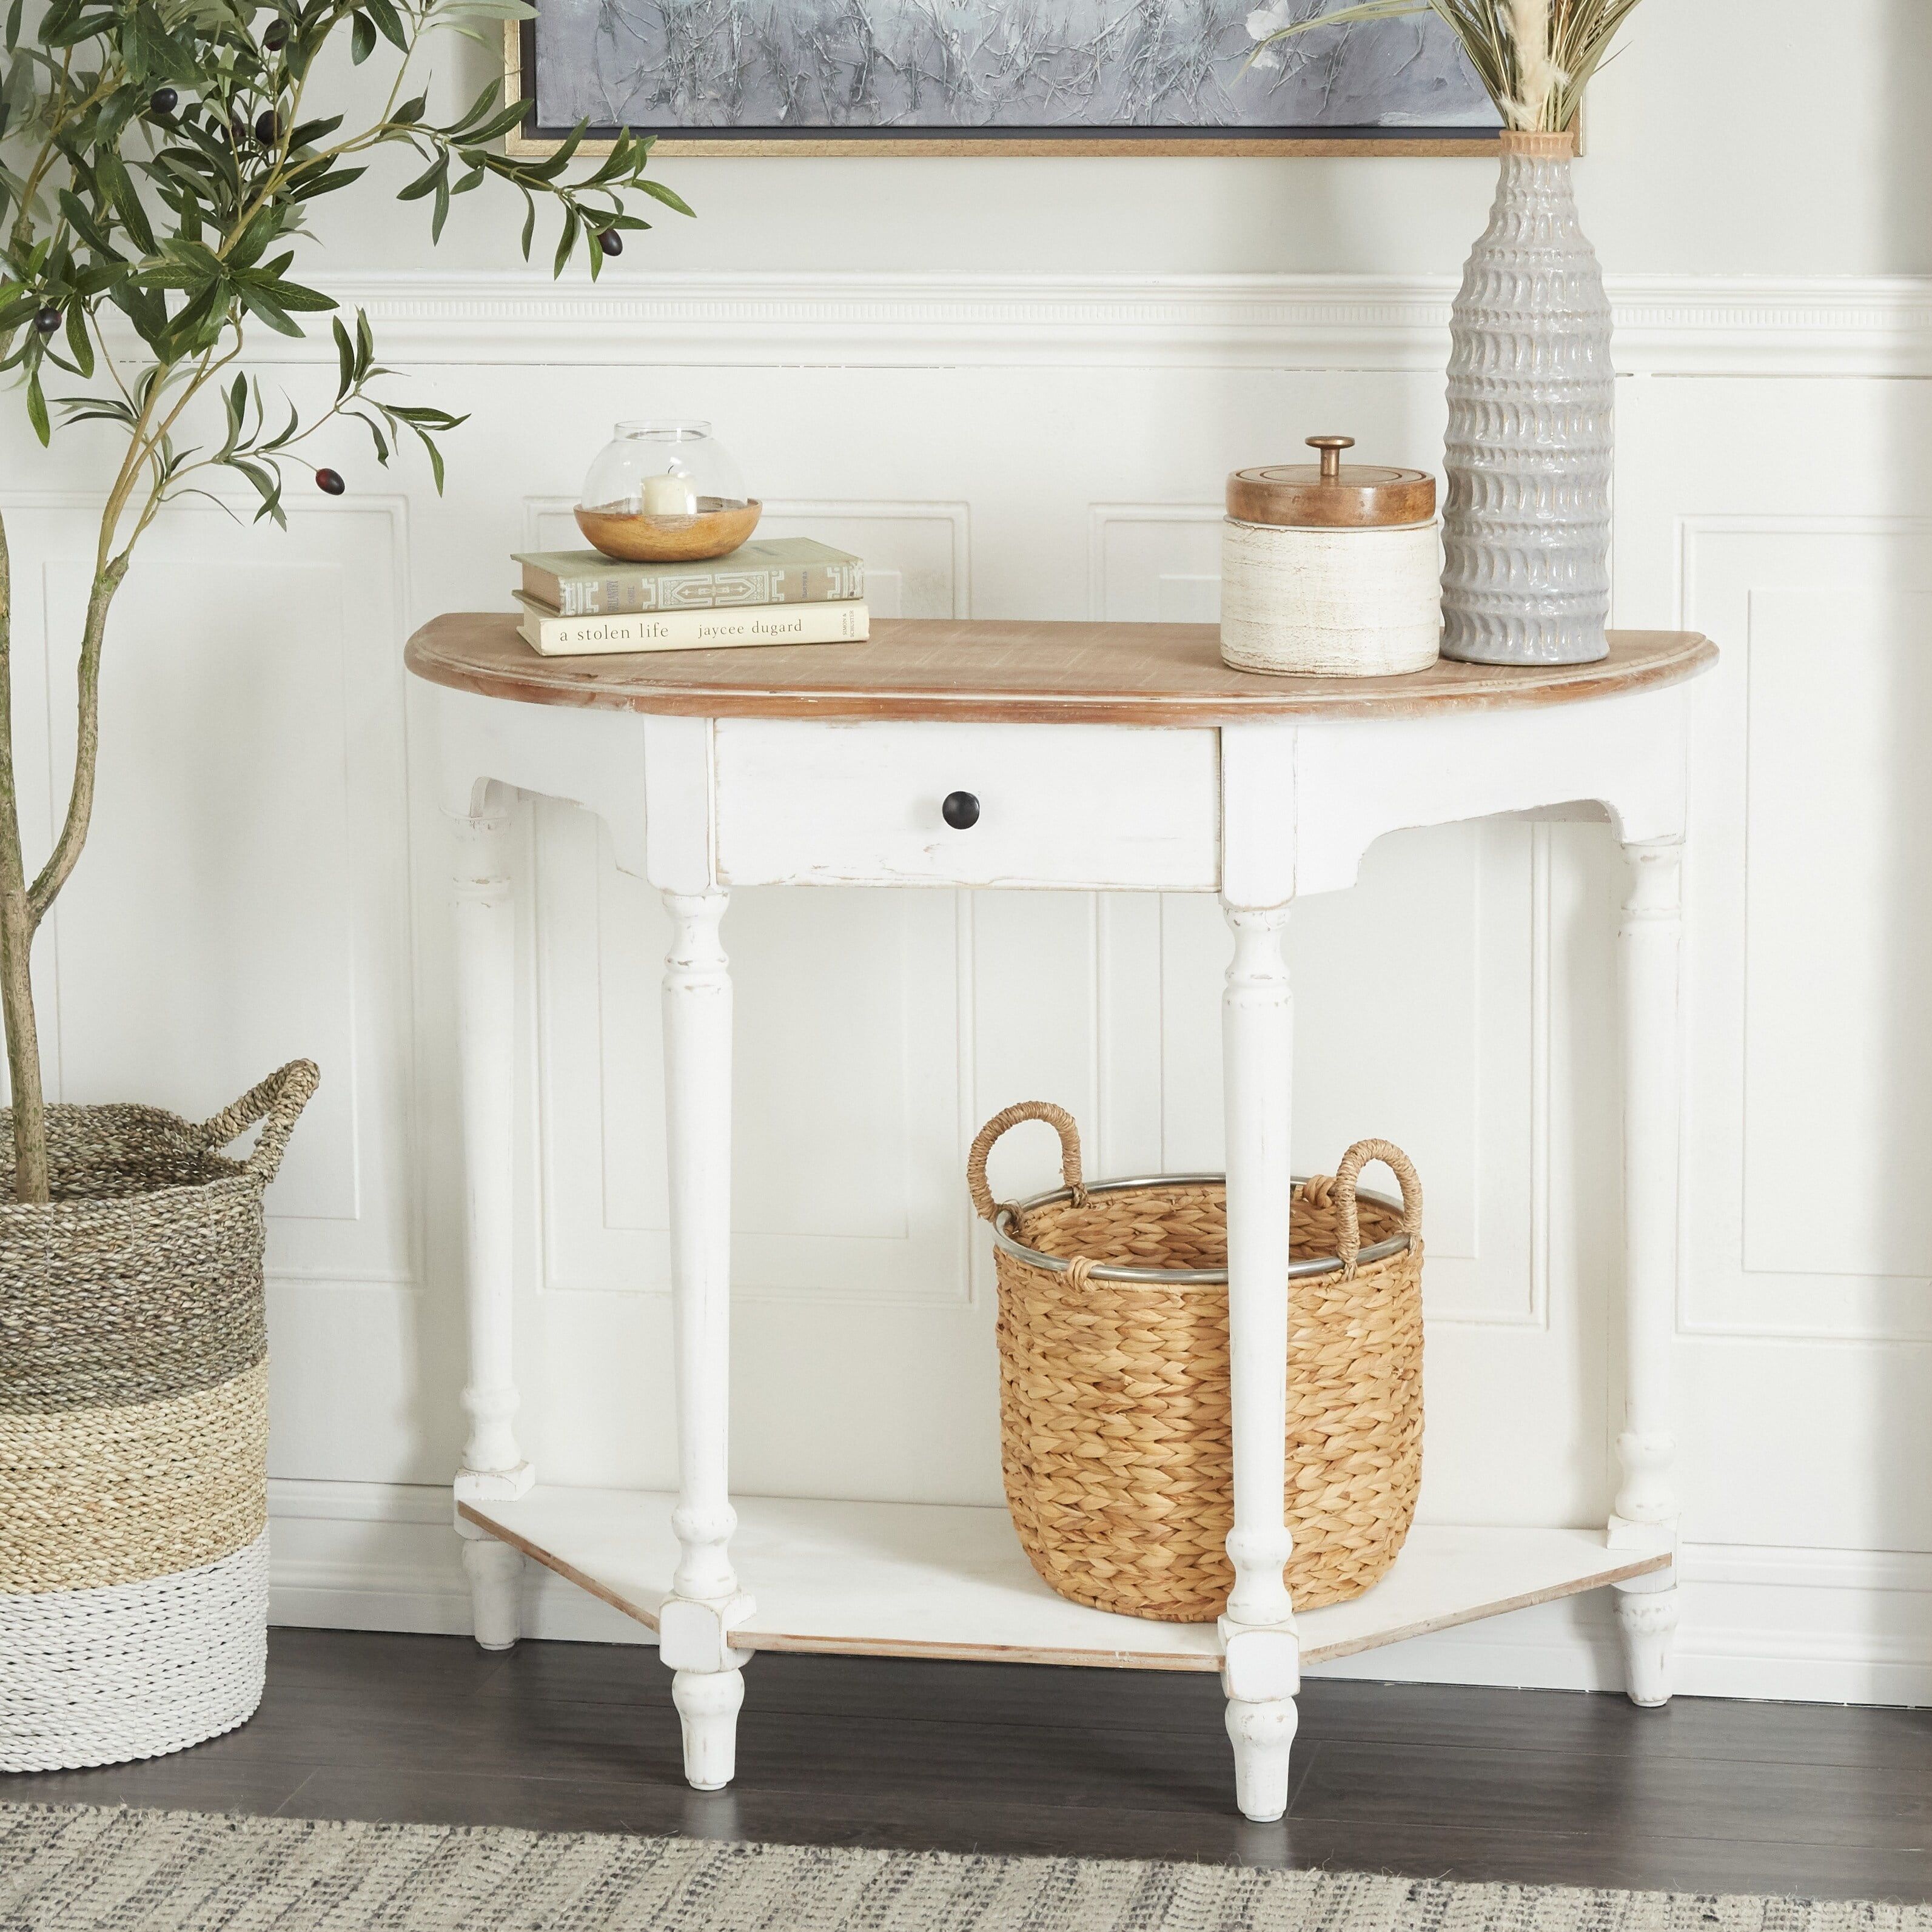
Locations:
{"points": [[300, 1499], [1667, 326]]}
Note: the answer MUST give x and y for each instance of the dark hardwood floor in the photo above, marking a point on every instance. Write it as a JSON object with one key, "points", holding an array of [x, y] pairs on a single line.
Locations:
{"points": [[1820, 1801]]}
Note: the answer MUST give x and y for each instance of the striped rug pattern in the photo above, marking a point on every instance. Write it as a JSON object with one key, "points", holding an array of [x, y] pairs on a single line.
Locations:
{"points": [[65, 1870], [133, 1431]]}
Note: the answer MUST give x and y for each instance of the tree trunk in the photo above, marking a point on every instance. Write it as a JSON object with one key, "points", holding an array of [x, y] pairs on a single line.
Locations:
{"points": [[60, 862], [17, 937]]}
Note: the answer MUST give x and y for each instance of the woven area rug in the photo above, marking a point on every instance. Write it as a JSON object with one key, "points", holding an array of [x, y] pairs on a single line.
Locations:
{"points": [[71, 1870]]}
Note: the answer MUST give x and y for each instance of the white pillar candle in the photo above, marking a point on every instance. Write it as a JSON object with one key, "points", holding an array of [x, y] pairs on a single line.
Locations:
{"points": [[669, 496]]}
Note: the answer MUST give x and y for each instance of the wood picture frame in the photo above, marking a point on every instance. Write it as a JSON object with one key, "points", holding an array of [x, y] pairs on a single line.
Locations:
{"points": [[533, 138]]}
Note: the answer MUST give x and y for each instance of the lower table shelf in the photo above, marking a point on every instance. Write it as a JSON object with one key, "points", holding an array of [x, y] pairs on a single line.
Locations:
{"points": [[919, 1580]]}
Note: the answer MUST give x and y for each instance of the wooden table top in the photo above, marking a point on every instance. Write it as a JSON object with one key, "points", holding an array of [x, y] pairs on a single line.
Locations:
{"points": [[1015, 673]]}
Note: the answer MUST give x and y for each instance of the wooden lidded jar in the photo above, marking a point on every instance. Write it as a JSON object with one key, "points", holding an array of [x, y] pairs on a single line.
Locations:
{"points": [[1329, 568]]}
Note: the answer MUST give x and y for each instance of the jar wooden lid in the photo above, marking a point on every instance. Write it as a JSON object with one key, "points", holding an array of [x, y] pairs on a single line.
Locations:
{"points": [[1331, 495]]}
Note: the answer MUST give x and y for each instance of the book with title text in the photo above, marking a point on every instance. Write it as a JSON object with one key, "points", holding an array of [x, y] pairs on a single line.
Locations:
{"points": [[785, 590], [773, 570], [846, 621]]}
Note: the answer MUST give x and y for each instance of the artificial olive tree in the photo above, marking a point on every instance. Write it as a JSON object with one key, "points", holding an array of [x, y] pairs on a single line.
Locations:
{"points": [[157, 162]]}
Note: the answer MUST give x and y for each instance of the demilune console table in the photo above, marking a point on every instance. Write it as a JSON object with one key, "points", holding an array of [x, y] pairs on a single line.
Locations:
{"points": [[1088, 756]]}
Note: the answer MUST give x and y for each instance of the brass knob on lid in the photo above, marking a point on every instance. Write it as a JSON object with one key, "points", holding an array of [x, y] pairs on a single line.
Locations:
{"points": [[1331, 448], [1334, 496]]}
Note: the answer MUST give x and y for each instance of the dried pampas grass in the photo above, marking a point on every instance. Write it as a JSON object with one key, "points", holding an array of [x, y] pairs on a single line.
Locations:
{"points": [[1537, 74], [1535, 57]]}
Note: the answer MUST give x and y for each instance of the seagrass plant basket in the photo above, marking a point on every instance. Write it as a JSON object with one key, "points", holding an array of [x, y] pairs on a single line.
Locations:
{"points": [[1114, 1402], [133, 1431]]}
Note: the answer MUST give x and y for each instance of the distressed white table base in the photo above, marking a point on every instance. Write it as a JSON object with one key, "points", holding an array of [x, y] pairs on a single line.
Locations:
{"points": [[1649, 942], [928, 1580], [493, 1467], [695, 807]]}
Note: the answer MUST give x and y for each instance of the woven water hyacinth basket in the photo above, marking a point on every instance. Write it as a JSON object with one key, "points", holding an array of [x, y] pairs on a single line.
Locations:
{"points": [[133, 1431], [1114, 1408]]}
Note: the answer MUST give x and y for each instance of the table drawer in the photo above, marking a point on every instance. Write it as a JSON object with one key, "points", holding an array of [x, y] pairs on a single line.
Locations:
{"points": [[1050, 804]]}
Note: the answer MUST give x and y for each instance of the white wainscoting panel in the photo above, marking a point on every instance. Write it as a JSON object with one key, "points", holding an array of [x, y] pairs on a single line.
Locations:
{"points": [[1799, 539], [1813, 861], [243, 900], [847, 1007], [1154, 562], [268, 878], [1836, 868]]}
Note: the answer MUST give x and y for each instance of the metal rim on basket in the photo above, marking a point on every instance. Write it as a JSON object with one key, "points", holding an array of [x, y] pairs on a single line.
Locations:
{"points": [[1175, 1277]]}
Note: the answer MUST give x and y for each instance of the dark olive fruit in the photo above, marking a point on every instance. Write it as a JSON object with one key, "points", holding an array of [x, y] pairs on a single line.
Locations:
{"points": [[611, 242], [47, 320], [268, 130], [329, 482], [238, 129], [162, 102], [277, 38]]}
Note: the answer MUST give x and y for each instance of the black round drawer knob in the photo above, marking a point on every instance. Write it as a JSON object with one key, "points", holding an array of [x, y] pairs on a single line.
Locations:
{"points": [[961, 810]]}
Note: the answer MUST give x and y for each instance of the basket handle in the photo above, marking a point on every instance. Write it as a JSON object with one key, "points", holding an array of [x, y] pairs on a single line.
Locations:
{"points": [[278, 1100], [1399, 1164], [1058, 1118]]}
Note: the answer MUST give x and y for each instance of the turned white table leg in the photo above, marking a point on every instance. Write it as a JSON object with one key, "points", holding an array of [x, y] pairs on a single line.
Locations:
{"points": [[705, 1602], [1261, 1669], [496, 1573], [1645, 1512], [493, 1469]]}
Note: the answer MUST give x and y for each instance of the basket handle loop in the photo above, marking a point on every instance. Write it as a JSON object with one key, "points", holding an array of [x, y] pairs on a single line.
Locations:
{"points": [[1058, 1118], [278, 1100], [1399, 1164]]}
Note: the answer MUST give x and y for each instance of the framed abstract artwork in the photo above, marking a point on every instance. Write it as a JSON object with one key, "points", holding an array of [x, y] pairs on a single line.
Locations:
{"points": [[990, 76]]}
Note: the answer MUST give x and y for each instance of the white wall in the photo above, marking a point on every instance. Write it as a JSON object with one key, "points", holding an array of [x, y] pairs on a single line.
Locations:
{"points": [[1730, 136], [1016, 387]]}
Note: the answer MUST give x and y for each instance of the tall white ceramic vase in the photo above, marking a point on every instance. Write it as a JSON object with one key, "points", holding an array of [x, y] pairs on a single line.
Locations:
{"points": [[1526, 533]]}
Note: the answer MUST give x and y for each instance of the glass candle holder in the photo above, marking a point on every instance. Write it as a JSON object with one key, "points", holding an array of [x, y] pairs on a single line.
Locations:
{"points": [[664, 491]]}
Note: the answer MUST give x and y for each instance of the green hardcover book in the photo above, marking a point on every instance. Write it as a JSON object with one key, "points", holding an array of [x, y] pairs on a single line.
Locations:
{"points": [[778, 570]]}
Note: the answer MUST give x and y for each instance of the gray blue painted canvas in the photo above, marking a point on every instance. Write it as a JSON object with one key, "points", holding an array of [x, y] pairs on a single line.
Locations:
{"points": [[947, 65]]}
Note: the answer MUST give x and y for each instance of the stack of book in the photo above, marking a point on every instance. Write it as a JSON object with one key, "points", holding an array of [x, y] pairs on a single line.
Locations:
{"points": [[783, 590]]}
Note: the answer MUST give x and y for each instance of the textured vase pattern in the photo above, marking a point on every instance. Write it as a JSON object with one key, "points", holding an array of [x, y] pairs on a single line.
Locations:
{"points": [[1531, 402]]}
